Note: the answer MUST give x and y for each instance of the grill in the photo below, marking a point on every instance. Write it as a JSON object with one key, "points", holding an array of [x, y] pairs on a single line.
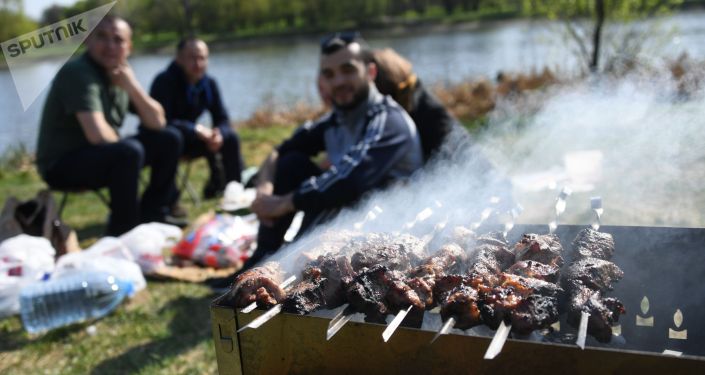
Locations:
{"points": [[660, 331]]}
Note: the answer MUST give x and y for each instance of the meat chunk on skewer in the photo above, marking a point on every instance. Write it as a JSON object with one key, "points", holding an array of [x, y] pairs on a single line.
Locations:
{"points": [[259, 284], [604, 312], [322, 286], [378, 291], [449, 260], [596, 274], [545, 248], [590, 243], [396, 252], [535, 270]]}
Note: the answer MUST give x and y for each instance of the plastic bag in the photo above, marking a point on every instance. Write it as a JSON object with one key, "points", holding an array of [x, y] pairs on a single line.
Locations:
{"points": [[223, 241], [146, 242], [24, 259], [110, 255]]}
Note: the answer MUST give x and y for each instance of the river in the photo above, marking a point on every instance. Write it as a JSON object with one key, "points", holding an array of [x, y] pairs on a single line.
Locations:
{"points": [[284, 73]]}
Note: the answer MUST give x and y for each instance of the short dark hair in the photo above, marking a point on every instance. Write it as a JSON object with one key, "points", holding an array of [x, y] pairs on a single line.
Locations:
{"points": [[111, 19], [334, 42], [185, 41]]}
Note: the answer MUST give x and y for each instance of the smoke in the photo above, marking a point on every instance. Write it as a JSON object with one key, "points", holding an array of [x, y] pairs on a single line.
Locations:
{"points": [[635, 142]]}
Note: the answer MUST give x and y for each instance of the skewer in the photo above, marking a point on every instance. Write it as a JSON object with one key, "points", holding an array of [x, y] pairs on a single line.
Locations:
{"points": [[283, 285], [389, 331], [500, 337], [339, 321], [264, 318], [560, 208], [582, 331], [447, 326], [596, 205]]}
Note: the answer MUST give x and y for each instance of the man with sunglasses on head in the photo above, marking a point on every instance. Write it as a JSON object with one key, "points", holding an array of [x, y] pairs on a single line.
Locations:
{"points": [[369, 140], [79, 146]]}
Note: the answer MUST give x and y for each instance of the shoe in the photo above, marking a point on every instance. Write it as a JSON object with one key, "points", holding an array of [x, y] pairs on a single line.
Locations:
{"points": [[211, 191], [178, 211], [173, 220]]}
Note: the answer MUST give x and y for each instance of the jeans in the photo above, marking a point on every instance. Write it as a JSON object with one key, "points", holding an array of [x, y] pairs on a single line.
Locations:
{"points": [[117, 166]]}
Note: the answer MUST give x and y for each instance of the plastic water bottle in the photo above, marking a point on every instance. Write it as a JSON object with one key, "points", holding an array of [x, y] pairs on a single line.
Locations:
{"points": [[71, 299]]}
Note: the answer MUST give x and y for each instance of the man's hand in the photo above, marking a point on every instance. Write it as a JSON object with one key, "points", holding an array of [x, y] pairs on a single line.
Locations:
{"points": [[271, 207], [212, 137], [123, 76]]}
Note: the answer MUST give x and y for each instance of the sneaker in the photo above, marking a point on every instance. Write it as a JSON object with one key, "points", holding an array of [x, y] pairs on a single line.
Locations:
{"points": [[212, 190], [177, 210], [173, 220]]}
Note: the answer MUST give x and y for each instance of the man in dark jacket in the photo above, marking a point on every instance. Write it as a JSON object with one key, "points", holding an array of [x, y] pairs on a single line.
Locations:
{"points": [[369, 140], [185, 90]]}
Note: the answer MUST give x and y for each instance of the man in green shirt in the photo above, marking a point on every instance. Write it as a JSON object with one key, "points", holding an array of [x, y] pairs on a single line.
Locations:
{"points": [[79, 146]]}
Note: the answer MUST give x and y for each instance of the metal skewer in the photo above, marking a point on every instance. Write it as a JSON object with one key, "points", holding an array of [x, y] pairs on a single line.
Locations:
{"points": [[264, 318], [389, 331], [582, 330], [596, 205], [500, 337], [447, 326], [339, 321], [283, 285], [560, 208]]}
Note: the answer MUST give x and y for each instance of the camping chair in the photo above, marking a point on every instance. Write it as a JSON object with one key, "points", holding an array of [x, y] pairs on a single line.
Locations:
{"points": [[185, 184], [65, 194]]}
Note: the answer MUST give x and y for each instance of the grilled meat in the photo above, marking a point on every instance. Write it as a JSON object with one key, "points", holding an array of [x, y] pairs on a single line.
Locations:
{"points": [[396, 252], [535, 270], [463, 305], [422, 279], [590, 243], [604, 312], [322, 285], [378, 291], [489, 257], [596, 274], [530, 303], [545, 248], [259, 284]]}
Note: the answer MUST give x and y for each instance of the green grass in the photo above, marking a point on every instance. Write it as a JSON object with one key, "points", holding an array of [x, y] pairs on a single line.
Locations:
{"points": [[165, 329]]}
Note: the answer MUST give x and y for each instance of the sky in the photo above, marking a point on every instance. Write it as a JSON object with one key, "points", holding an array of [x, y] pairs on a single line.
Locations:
{"points": [[34, 8]]}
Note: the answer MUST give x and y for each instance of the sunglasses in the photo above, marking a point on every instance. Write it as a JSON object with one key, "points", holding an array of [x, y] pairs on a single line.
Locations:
{"points": [[339, 39]]}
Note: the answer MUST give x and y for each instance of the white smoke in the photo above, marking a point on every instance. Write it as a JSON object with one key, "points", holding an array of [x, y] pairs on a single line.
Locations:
{"points": [[632, 141]]}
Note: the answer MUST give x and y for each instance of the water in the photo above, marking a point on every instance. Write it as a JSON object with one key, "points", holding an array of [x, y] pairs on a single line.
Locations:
{"points": [[70, 299], [251, 78]]}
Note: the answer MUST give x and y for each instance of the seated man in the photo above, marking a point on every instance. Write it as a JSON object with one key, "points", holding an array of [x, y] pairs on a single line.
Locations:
{"points": [[79, 146], [369, 140], [185, 91], [442, 136]]}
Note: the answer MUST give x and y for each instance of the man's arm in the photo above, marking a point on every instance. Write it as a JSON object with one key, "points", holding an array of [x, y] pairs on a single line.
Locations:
{"points": [[96, 128], [364, 167], [149, 110]]}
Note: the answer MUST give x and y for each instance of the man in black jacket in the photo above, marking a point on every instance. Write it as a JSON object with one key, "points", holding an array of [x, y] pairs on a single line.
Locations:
{"points": [[185, 90]]}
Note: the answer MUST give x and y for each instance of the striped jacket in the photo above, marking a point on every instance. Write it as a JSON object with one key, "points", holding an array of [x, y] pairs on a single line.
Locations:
{"points": [[381, 147]]}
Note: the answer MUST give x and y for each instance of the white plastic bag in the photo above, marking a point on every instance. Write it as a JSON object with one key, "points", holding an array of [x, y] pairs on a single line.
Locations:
{"points": [[109, 254], [23, 259], [147, 241]]}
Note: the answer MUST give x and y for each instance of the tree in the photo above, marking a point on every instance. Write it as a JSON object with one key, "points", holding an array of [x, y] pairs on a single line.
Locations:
{"points": [[586, 21]]}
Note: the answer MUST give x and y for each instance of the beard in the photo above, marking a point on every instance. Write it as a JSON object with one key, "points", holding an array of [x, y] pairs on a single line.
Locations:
{"points": [[358, 98]]}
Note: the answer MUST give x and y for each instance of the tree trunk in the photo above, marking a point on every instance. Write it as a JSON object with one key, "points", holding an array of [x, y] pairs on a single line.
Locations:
{"points": [[597, 36]]}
